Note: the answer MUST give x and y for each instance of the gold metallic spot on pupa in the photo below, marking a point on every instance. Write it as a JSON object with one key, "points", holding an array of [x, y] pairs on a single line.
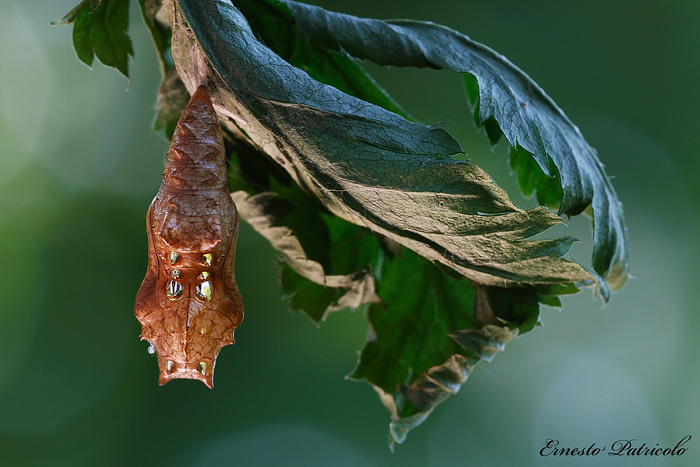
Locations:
{"points": [[203, 331], [175, 274], [174, 290], [170, 365], [202, 368], [173, 257], [204, 275], [204, 291], [206, 258], [171, 329]]}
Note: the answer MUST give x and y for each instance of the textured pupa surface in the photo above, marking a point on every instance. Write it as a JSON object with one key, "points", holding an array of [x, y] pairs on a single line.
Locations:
{"points": [[189, 304]]}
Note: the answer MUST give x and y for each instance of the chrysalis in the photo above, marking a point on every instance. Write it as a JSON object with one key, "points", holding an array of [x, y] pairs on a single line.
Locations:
{"points": [[189, 303]]}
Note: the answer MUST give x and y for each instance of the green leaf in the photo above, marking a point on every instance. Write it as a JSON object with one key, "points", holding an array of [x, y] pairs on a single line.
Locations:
{"points": [[507, 101], [171, 102], [533, 180], [100, 28], [410, 330], [154, 16], [366, 165], [428, 333]]}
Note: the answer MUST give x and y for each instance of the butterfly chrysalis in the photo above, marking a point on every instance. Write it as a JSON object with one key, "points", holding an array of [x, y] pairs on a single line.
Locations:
{"points": [[189, 303]]}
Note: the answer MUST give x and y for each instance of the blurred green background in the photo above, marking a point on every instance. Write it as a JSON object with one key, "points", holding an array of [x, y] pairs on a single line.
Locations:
{"points": [[79, 166]]}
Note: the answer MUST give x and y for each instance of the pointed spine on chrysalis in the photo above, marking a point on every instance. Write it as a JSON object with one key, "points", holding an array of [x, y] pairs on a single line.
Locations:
{"points": [[189, 303]]}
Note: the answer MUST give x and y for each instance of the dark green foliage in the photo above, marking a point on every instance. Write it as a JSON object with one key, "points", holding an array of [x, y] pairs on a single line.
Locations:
{"points": [[523, 112], [100, 28], [370, 210]]}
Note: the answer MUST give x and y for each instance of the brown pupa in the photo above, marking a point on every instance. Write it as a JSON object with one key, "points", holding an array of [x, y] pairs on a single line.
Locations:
{"points": [[189, 303]]}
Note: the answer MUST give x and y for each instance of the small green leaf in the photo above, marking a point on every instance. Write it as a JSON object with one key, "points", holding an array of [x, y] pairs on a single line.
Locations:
{"points": [[533, 180], [100, 28], [154, 16]]}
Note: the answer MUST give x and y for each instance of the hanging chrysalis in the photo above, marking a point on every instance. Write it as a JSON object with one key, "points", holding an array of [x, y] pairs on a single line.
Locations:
{"points": [[189, 303]]}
